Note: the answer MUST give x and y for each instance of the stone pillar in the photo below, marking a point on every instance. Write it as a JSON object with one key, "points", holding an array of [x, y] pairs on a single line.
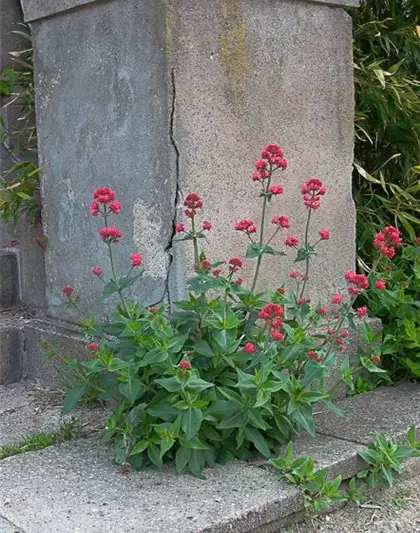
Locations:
{"points": [[152, 97]]}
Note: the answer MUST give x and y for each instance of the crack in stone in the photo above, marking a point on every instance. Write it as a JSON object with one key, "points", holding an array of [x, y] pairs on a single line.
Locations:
{"points": [[178, 192]]}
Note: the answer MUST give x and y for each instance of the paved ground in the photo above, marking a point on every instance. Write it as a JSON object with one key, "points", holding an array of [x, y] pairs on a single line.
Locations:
{"points": [[390, 511]]}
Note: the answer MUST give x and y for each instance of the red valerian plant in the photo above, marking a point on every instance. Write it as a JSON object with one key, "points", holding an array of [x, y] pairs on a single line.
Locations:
{"points": [[227, 372]]}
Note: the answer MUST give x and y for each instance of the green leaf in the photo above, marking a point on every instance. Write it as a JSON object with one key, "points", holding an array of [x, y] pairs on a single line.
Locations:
{"points": [[109, 289], [254, 436], [170, 384], [153, 357], [153, 453], [197, 462], [203, 348], [181, 459], [303, 416], [197, 384], [131, 389], [165, 445], [139, 447], [191, 422], [235, 420], [72, 397]]}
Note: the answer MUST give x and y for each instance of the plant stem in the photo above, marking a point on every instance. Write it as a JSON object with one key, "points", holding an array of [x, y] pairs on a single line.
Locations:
{"points": [[194, 236], [114, 274], [306, 247], [259, 260]]}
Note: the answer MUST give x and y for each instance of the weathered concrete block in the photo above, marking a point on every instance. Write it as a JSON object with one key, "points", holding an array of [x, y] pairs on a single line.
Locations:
{"points": [[190, 95], [108, 129], [249, 73], [9, 280], [11, 349]]}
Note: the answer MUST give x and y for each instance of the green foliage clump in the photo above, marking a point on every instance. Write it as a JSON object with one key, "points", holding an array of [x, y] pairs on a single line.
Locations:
{"points": [[387, 150]]}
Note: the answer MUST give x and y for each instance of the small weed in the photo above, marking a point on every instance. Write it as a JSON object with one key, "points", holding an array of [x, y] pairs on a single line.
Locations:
{"points": [[318, 491], [67, 431], [385, 459]]}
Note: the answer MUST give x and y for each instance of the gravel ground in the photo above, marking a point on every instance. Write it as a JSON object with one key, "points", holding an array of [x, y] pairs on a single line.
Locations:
{"points": [[389, 511]]}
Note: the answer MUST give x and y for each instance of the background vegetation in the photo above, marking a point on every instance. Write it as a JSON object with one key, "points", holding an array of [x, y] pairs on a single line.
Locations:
{"points": [[387, 121]]}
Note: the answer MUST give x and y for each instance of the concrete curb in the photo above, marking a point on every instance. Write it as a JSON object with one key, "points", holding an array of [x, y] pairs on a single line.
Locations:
{"points": [[77, 487]]}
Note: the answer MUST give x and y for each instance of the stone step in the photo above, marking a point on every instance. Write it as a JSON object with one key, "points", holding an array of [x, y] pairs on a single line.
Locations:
{"points": [[9, 280], [26, 410], [11, 347], [76, 487]]}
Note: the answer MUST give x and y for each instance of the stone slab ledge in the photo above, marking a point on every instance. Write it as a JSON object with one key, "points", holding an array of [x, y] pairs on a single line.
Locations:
{"points": [[37, 9], [77, 487]]}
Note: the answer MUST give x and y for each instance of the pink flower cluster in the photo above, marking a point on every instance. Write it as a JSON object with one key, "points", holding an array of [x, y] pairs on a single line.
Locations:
{"points": [[313, 356], [246, 225], [271, 159], [312, 190], [387, 240], [357, 282], [281, 222], [110, 234], [104, 196], [235, 264], [272, 314], [192, 202]]}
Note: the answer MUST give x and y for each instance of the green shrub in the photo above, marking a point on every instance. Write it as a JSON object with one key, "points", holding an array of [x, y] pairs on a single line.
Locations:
{"points": [[229, 372]]}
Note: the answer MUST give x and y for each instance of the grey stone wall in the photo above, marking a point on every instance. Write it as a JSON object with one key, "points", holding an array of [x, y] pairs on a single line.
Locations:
{"points": [[150, 97]]}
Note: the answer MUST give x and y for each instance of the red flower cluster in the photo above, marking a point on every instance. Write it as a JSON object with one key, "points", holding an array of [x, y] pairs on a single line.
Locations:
{"points": [[185, 365], [332, 337], [206, 225], [115, 207], [235, 264], [93, 347], [246, 226], [97, 271], [357, 282], [179, 228], [272, 314], [271, 158], [312, 191], [276, 189], [313, 356], [281, 222], [110, 234], [361, 312], [104, 195], [337, 299], [192, 202], [291, 241], [301, 301], [294, 274], [205, 264], [323, 311], [250, 348], [136, 260], [387, 240], [271, 311], [216, 272], [324, 234], [380, 284], [67, 290]]}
